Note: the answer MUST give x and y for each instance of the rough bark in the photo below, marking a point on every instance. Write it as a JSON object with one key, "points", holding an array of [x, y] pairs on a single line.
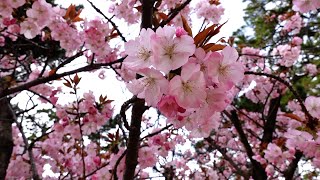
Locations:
{"points": [[138, 108], [7, 117], [270, 125]]}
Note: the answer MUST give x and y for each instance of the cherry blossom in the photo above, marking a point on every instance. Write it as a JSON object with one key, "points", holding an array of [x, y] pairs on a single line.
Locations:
{"points": [[212, 12], [139, 51], [224, 68], [170, 52], [189, 88], [29, 29], [214, 120], [151, 87], [313, 106], [305, 6]]}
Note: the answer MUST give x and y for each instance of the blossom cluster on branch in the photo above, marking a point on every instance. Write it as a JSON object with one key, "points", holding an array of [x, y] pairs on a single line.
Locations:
{"points": [[229, 109]]}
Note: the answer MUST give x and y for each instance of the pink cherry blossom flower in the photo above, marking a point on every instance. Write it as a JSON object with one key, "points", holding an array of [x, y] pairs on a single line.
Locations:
{"points": [[29, 29], [204, 125], [124, 10], [216, 101], [313, 106], [289, 55], [139, 51], [270, 170], [5, 8], [180, 32], [311, 69], [297, 41], [189, 88], [224, 68], [147, 157], [40, 13], [293, 24], [169, 107], [304, 6], [272, 152], [151, 87], [16, 3], [95, 37], [171, 52], [209, 11]]}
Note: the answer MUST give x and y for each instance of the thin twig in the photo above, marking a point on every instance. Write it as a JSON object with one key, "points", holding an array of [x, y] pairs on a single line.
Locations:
{"points": [[114, 171], [174, 13], [34, 170], [157, 132], [46, 79], [109, 20], [123, 110]]}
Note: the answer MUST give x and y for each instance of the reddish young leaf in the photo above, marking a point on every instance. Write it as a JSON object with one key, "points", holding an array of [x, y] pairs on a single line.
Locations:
{"points": [[72, 15], [216, 31], [293, 116], [186, 26], [213, 47], [67, 84], [76, 79], [162, 16], [200, 37], [52, 72]]}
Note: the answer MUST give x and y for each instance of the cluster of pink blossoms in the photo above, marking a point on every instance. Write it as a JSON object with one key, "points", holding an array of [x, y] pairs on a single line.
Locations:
{"points": [[305, 6], [39, 16], [188, 85], [170, 4], [252, 57], [292, 24], [93, 116], [69, 38], [95, 34], [7, 6], [59, 149], [289, 54], [125, 10], [211, 12]]}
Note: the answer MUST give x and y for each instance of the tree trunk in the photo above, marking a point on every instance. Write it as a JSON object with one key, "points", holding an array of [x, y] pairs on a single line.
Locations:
{"points": [[138, 108], [7, 117]]}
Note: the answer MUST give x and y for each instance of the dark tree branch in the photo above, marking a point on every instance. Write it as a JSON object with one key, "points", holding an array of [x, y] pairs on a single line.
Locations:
{"points": [[147, 12], [174, 13], [289, 173], [33, 167], [123, 110], [114, 171], [223, 151], [257, 171], [270, 125], [138, 109], [70, 59], [312, 122], [46, 79], [157, 132], [7, 117]]}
